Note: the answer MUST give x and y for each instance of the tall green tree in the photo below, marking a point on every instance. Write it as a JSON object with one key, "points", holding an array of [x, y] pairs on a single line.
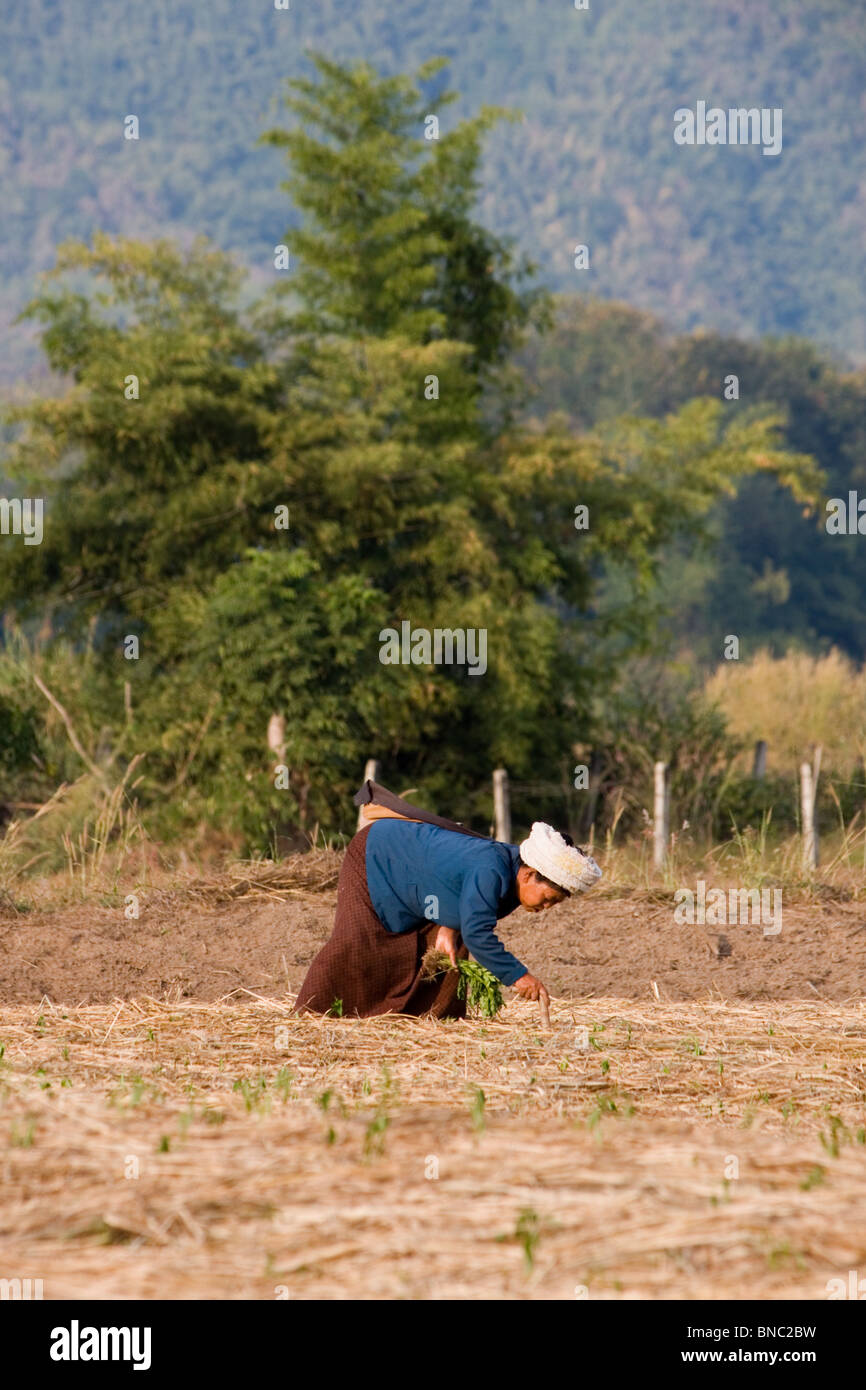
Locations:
{"points": [[151, 459], [388, 243]]}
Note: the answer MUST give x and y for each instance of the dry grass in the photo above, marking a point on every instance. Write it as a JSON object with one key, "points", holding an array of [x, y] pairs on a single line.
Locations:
{"points": [[628, 872], [750, 859], [281, 1156], [298, 875], [794, 702], [106, 854], [301, 875]]}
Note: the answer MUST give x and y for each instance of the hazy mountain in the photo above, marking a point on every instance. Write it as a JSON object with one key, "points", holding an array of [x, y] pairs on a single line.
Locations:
{"points": [[720, 235]]}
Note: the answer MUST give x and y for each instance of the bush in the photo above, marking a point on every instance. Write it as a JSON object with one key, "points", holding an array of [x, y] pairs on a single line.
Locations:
{"points": [[746, 800], [19, 735]]}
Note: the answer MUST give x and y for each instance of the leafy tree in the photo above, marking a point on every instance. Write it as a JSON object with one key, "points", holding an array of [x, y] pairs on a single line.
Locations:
{"points": [[782, 574], [771, 573], [388, 245], [149, 492]]}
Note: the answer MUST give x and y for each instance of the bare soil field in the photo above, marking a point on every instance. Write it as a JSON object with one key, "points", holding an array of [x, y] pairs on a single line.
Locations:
{"points": [[202, 945], [693, 1125]]}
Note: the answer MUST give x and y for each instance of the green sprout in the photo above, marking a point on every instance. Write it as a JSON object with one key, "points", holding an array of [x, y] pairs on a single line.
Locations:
{"points": [[480, 989]]}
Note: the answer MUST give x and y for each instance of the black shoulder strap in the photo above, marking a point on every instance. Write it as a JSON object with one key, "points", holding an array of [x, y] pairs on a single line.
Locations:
{"points": [[372, 792]]}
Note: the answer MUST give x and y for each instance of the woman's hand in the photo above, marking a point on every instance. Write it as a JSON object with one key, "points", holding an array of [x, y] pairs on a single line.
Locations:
{"points": [[446, 940], [530, 988]]}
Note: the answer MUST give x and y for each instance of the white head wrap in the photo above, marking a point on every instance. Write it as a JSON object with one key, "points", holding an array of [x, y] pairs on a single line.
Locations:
{"points": [[547, 852]]}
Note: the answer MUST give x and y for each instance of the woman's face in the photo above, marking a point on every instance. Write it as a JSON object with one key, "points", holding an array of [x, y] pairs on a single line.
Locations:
{"points": [[535, 893]]}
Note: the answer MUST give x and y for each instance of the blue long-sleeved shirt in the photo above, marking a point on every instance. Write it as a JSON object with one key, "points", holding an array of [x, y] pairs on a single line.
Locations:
{"points": [[418, 873]]}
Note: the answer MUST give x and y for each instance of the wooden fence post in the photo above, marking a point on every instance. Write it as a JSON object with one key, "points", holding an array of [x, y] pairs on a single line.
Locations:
{"points": [[759, 766], [372, 770], [587, 819], [372, 773], [661, 813], [501, 806], [809, 774], [807, 813], [277, 736]]}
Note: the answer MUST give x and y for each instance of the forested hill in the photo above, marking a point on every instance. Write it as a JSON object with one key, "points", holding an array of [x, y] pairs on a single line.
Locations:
{"points": [[723, 236]]}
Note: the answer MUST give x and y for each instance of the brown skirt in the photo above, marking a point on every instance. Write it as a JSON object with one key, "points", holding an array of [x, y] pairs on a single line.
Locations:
{"points": [[369, 969]]}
